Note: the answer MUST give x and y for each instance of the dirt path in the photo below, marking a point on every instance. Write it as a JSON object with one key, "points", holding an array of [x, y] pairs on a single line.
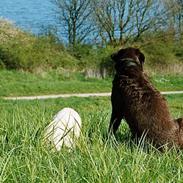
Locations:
{"points": [[74, 95]]}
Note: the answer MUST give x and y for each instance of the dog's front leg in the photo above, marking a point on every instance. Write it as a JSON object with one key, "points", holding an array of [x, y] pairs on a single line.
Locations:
{"points": [[117, 112], [115, 121]]}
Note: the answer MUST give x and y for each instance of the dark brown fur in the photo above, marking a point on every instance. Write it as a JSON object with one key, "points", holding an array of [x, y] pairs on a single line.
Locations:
{"points": [[140, 104]]}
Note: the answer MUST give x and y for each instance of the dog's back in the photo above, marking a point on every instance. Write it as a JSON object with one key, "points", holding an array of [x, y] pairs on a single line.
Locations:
{"points": [[145, 109]]}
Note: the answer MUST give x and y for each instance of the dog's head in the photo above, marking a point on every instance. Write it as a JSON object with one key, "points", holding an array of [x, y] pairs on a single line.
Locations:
{"points": [[129, 55]]}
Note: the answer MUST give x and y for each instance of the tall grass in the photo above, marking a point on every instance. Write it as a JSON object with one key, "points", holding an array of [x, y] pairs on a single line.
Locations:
{"points": [[25, 158]]}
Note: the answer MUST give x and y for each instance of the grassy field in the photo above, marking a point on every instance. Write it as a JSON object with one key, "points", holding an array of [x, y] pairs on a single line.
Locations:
{"points": [[21, 83], [25, 158], [14, 83]]}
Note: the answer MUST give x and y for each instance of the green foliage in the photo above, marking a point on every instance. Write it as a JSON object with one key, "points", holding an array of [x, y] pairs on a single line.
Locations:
{"points": [[8, 59], [24, 51], [159, 54], [93, 57], [36, 53], [161, 49], [178, 51], [24, 155]]}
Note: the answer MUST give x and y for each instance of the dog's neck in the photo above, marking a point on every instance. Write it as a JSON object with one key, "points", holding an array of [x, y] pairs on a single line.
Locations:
{"points": [[123, 65], [128, 62]]}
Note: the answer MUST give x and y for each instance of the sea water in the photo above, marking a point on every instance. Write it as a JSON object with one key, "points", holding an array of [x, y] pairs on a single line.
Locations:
{"points": [[30, 15]]}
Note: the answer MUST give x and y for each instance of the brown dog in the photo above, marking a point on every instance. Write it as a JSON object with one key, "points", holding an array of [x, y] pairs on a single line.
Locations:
{"points": [[140, 104]]}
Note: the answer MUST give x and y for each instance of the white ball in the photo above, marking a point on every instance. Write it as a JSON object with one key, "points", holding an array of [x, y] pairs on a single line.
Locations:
{"points": [[64, 129]]}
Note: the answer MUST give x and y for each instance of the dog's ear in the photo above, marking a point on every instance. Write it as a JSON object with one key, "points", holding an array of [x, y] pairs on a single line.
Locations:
{"points": [[114, 56], [119, 54], [141, 56]]}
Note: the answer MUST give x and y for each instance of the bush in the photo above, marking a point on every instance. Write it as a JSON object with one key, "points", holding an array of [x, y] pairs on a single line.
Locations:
{"points": [[159, 54], [8, 59], [27, 52], [96, 61]]}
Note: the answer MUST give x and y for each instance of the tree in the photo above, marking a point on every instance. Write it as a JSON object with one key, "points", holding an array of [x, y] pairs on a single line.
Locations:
{"points": [[176, 16], [112, 18], [149, 15], [180, 15], [74, 16], [120, 20]]}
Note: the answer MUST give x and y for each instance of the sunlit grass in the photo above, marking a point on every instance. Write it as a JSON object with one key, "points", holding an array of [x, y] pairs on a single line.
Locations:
{"points": [[16, 83], [25, 158]]}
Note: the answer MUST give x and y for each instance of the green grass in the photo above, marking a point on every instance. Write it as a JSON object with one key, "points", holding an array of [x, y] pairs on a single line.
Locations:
{"points": [[25, 158], [14, 83], [168, 82]]}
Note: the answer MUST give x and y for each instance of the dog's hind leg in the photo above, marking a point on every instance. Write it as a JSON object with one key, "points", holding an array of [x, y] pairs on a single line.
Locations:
{"points": [[179, 120], [180, 123]]}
